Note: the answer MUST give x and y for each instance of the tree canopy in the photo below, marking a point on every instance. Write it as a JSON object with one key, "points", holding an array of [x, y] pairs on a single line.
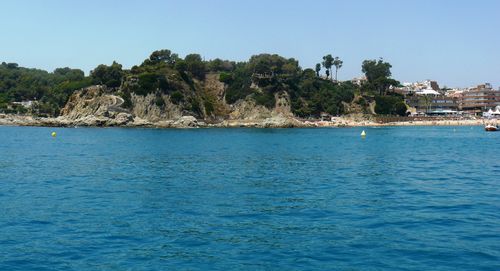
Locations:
{"points": [[317, 69], [328, 63], [50, 90], [378, 73], [110, 76]]}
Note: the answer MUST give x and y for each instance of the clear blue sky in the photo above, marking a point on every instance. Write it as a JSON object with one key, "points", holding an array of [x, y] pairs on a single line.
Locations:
{"points": [[456, 42]]}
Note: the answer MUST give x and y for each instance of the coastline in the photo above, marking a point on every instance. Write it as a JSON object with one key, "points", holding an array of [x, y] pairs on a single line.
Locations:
{"points": [[191, 122]]}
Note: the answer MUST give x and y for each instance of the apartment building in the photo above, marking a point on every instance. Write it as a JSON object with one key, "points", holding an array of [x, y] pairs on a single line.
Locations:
{"points": [[479, 99]]}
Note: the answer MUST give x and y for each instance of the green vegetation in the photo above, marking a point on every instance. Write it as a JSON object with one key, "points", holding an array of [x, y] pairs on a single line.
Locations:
{"points": [[313, 96], [239, 82], [390, 105], [176, 97], [262, 78], [328, 63], [338, 64], [110, 76], [378, 75], [318, 69], [50, 90], [266, 75]]}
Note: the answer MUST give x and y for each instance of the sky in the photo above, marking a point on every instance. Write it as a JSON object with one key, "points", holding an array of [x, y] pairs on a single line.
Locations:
{"points": [[456, 42]]}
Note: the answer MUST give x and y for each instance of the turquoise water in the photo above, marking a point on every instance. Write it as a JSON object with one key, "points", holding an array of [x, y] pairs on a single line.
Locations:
{"points": [[404, 198]]}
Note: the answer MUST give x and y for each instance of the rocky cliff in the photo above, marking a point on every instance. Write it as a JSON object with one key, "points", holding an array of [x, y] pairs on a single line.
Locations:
{"points": [[97, 106], [94, 106], [146, 108]]}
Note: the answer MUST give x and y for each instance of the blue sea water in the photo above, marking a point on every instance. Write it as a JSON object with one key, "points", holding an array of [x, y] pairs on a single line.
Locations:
{"points": [[404, 198]]}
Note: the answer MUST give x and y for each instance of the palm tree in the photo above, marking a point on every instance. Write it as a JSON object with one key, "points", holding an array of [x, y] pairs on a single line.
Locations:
{"points": [[328, 63], [318, 69], [338, 64]]}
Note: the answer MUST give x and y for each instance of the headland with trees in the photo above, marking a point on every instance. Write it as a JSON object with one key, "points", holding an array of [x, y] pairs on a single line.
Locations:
{"points": [[182, 80]]}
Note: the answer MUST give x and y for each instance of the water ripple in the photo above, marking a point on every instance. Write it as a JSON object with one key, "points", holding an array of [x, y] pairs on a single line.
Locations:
{"points": [[405, 198]]}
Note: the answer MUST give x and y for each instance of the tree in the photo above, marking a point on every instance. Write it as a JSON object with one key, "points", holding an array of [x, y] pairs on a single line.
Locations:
{"points": [[219, 65], [328, 63], [111, 76], [50, 90], [291, 67], [70, 74], [390, 105], [181, 66], [161, 56], [148, 82], [338, 64], [318, 69], [378, 74], [195, 65], [309, 74], [267, 64], [428, 103], [374, 69], [12, 65]]}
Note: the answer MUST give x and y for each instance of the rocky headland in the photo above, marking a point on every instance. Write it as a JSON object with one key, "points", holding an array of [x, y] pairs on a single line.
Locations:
{"points": [[166, 91], [97, 107]]}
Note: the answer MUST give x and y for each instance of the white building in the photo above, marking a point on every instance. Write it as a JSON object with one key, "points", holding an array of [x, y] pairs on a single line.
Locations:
{"points": [[427, 87], [25, 104]]}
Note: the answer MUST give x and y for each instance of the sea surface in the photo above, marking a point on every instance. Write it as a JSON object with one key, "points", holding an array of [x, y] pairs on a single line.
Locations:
{"points": [[403, 198]]}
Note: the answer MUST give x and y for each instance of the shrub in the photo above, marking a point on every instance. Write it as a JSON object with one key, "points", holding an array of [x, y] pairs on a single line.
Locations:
{"points": [[209, 107], [225, 77], [195, 106], [176, 97], [148, 83], [265, 98], [159, 101], [127, 99]]}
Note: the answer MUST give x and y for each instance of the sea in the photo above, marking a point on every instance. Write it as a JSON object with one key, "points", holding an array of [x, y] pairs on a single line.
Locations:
{"points": [[402, 198]]}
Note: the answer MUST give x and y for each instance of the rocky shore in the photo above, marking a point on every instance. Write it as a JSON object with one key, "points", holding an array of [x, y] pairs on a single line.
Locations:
{"points": [[126, 120], [97, 107]]}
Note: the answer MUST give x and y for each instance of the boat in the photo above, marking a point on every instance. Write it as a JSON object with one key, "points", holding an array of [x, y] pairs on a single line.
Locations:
{"points": [[491, 128]]}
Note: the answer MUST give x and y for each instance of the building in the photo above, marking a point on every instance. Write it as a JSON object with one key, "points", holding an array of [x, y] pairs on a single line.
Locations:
{"points": [[426, 97], [325, 116], [427, 87], [429, 104], [25, 104], [479, 99], [359, 80]]}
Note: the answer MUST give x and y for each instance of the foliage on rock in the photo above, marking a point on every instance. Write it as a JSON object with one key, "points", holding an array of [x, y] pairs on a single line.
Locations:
{"points": [[204, 89]]}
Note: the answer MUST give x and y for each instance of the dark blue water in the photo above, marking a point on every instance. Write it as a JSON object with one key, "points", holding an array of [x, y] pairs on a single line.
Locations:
{"points": [[414, 198]]}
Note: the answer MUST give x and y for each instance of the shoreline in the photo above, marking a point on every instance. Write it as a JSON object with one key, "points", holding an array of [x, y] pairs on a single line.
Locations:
{"points": [[191, 122]]}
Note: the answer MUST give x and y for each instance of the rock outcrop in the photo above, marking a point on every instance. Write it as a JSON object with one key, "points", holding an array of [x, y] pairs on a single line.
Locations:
{"points": [[248, 110], [145, 107], [93, 106], [96, 106]]}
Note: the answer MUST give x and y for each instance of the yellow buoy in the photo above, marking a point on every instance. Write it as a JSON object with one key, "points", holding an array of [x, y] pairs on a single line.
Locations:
{"points": [[54, 134], [363, 134]]}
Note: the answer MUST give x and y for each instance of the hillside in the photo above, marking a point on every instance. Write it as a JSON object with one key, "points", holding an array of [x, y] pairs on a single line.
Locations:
{"points": [[165, 88]]}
